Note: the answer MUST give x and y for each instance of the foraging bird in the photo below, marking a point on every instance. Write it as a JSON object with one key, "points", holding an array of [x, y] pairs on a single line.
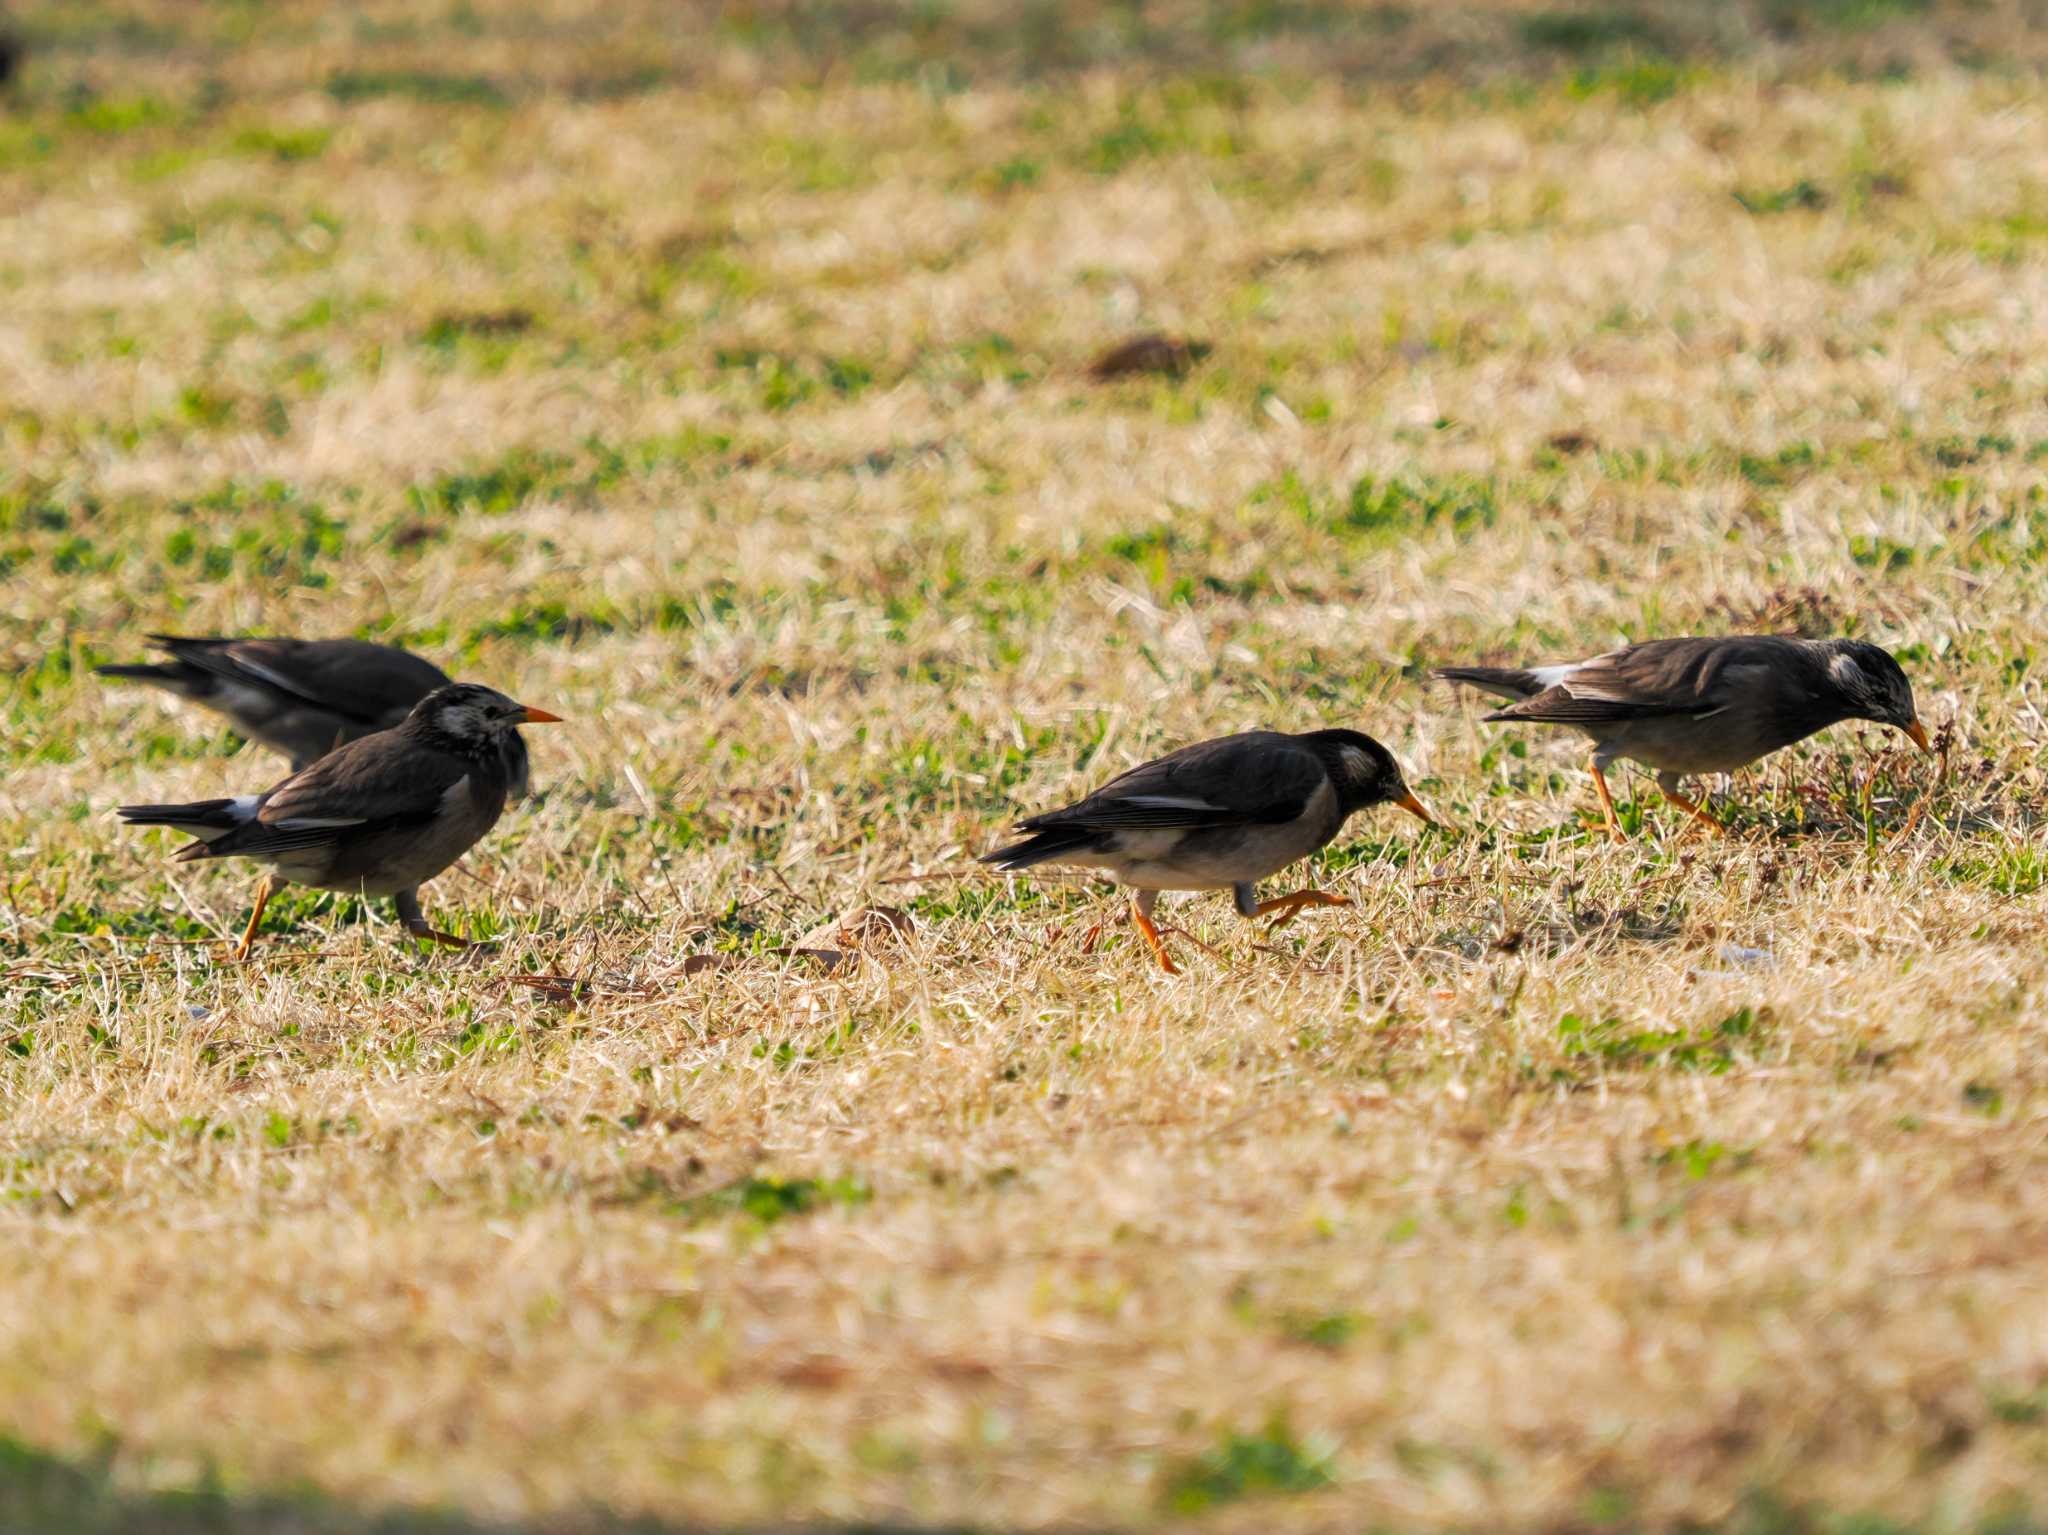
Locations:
{"points": [[1692, 706], [303, 697], [380, 816], [1222, 813]]}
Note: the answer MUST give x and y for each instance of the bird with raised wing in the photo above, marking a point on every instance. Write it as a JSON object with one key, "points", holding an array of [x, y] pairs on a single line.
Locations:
{"points": [[1221, 814], [380, 816], [302, 697], [1687, 707]]}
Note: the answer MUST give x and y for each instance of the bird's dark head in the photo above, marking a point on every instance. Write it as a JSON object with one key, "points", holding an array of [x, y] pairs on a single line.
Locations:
{"points": [[1365, 772], [474, 717], [1873, 686]]}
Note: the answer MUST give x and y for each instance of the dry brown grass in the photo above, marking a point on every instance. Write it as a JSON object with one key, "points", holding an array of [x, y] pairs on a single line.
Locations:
{"points": [[1552, 1186]]}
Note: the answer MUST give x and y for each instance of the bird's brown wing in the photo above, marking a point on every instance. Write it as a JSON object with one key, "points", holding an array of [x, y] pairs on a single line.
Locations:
{"points": [[378, 783], [380, 778], [1259, 778], [1697, 677]]}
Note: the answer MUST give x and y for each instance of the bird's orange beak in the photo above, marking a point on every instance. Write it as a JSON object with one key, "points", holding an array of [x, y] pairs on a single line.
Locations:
{"points": [[1414, 807], [1917, 734], [541, 716]]}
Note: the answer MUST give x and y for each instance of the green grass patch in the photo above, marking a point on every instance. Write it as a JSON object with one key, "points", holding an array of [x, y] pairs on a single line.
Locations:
{"points": [[354, 85], [1612, 1044], [1384, 508], [1794, 197], [767, 1201], [1274, 1460], [285, 145], [2017, 868]]}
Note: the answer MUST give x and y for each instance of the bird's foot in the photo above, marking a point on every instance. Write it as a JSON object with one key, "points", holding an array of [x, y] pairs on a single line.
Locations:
{"points": [[1701, 820], [1601, 823], [1151, 931], [1912, 824], [1288, 907], [1607, 816], [435, 935], [471, 950], [265, 889], [1168, 930]]}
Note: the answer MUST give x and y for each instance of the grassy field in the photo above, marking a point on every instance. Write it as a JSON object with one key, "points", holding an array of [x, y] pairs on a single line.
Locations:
{"points": [[718, 378]]}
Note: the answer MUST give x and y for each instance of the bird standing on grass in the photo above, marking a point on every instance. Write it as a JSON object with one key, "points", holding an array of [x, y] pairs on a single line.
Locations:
{"points": [[302, 697], [1219, 814], [380, 816], [1696, 706]]}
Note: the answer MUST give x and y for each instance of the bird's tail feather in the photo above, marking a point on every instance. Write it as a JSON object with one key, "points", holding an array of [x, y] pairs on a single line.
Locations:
{"points": [[1501, 681], [1053, 842], [206, 819], [189, 681]]}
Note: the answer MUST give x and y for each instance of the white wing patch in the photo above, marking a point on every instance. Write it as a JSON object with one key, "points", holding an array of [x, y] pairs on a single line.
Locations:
{"points": [[1565, 676], [1151, 801], [1551, 676], [242, 807]]}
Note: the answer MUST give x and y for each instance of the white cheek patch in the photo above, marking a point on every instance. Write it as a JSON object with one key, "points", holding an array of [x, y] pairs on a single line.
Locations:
{"points": [[1357, 765], [1848, 675]]}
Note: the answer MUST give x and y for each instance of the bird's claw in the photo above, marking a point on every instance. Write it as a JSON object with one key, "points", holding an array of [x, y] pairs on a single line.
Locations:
{"points": [[470, 951], [1288, 907], [1614, 833]]}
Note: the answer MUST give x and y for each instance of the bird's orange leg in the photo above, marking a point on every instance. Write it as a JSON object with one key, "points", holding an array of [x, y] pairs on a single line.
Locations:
{"points": [[1291, 906], [265, 889], [1143, 918], [1609, 818], [1698, 813]]}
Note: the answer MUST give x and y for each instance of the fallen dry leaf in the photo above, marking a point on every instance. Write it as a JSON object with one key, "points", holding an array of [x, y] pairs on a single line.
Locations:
{"points": [[859, 928]]}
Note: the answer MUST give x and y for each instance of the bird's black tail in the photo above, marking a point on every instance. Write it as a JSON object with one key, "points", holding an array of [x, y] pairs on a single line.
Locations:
{"points": [[1052, 842], [1501, 681], [180, 677], [206, 819]]}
